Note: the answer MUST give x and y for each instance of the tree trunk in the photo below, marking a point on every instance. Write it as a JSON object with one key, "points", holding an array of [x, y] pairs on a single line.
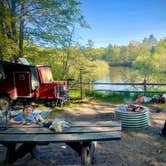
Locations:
{"points": [[8, 29], [21, 35], [13, 26], [13, 23], [66, 67], [145, 87], [1, 55]]}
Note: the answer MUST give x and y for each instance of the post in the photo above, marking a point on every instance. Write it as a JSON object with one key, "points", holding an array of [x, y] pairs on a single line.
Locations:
{"points": [[81, 94], [89, 86], [145, 87], [68, 83]]}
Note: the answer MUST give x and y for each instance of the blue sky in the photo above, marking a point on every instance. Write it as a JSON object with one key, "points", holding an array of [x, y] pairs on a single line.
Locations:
{"points": [[120, 21]]}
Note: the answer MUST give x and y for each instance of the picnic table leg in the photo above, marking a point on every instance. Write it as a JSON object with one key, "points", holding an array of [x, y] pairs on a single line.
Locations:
{"points": [[87, 153], [10, 154], [13, 154], [76, 146], [92, 151], [84, 149]]}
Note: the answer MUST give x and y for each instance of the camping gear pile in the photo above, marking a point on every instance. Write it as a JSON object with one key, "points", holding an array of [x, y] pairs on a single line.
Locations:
{"points": [[153, 99]]}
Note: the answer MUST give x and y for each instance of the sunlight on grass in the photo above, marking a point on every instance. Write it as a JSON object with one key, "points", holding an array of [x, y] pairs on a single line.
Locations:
{"points": [[97, 98], [112, 97]]}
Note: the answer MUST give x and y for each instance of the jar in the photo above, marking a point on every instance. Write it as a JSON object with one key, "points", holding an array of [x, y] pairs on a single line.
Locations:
{"points": [[58, 127]]}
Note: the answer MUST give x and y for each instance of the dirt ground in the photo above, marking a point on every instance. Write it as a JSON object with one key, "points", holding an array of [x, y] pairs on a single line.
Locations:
{"points": [[138, 148]]}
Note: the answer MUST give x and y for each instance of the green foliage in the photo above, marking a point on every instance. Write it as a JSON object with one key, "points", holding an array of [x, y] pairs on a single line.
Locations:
{"points": [[43, 22], [52, 20], [144, 62], [52, 23], [8, 48], [148, 57], [8, 42], [108, 53], [74, 93], [150, 64], [147, 61], [92, 69], [161, 54]]}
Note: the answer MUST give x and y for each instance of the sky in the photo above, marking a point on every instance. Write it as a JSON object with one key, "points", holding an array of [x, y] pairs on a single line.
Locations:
{"points": [[117, 22]]}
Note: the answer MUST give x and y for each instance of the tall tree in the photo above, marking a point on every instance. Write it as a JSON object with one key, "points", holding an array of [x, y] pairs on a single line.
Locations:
{"points": [[108, 53], [46, 22], [8, 34], [146, 64], [151, 42], [161, 54]]}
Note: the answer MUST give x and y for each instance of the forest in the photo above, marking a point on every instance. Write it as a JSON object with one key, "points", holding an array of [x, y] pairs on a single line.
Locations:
{"points": [[44, 32]]}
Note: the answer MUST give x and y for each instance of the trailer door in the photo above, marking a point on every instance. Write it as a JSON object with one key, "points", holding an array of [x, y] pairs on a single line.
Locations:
{"points": [[22, 84]]}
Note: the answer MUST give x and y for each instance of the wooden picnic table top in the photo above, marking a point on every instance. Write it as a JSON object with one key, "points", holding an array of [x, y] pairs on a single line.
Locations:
{"points": [[78, 131]]}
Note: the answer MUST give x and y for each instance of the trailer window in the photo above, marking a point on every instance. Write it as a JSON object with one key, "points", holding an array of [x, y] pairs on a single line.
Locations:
{"points": [[21, 77], [46, 75], [34, 78]]}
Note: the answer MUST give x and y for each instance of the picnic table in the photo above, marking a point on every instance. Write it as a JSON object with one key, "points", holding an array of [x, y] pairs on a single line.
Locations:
{"points": [[82, 133]]}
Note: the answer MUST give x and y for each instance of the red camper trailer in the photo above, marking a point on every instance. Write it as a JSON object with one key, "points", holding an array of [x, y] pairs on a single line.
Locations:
{"points": [[20, 81]]}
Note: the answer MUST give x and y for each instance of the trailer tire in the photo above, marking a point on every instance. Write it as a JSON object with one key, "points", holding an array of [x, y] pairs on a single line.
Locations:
{"points": [[60, 103], [4, 102]]}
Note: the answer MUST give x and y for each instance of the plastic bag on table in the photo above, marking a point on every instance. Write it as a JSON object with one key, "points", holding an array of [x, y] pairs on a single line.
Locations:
{"points": [[59, 125]]}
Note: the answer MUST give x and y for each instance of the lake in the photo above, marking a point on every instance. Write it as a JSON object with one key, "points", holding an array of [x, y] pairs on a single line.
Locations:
{"points": [[125, 75]]}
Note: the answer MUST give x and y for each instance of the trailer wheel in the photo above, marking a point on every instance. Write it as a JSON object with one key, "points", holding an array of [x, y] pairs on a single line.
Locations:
{"points": [[60, 103], [4, 102]]}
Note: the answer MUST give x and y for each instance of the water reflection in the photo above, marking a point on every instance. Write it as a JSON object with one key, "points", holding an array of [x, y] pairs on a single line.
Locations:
{"points": [[125, 75], [115, 87]]}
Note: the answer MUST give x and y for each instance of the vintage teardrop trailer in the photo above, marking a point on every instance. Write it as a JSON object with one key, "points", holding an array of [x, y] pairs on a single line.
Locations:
{"points": [[23, 81]]}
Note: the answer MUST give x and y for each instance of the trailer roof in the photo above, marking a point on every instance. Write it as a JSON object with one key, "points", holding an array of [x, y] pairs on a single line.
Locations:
{"points": [[15, 64], [43, 65], [19, 65]]}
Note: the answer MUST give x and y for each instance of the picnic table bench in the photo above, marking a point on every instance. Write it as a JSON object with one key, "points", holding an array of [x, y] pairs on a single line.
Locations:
{"points": [[82, 133]]}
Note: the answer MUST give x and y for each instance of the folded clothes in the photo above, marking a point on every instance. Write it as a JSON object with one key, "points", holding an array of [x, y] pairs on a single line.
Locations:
{"points": [[42, 113]]}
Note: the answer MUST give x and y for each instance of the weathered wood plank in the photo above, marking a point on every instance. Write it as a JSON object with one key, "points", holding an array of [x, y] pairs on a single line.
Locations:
{"points": [[99, 123], [28, 130], [53, 138], [77, 124], [90, 129], [25, 126]]}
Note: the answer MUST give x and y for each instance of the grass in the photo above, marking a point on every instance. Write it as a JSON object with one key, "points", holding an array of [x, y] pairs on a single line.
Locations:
{"points": [[103, 97], [98, 97], [114, 98], [74, 94]]}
